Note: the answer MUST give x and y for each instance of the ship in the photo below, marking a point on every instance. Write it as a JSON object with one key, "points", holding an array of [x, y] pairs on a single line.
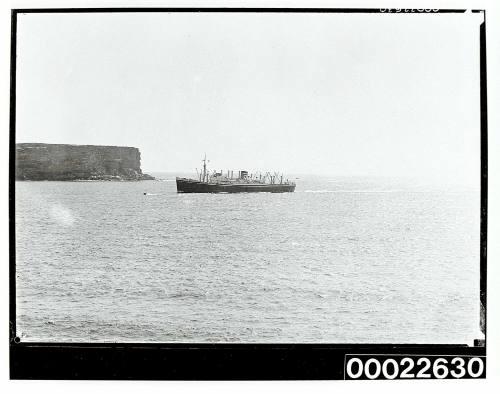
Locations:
{"points": [[231, 182]]}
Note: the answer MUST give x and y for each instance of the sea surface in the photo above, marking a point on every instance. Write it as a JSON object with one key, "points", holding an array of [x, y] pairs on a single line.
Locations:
{"points": [[341, 260]]}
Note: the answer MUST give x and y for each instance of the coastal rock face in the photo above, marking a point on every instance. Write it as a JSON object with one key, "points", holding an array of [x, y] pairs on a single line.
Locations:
{"points": [[61, 162]]}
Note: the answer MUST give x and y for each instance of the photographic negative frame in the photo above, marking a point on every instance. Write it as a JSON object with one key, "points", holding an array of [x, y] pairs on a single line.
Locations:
{"points": [[246, 361]]}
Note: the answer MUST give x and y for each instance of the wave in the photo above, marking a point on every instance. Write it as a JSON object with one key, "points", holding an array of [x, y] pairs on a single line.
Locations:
{"points": [[354, 191], [187, 294]]}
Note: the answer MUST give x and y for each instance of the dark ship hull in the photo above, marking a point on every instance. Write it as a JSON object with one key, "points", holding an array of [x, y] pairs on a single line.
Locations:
{"points": [[185, 185]]}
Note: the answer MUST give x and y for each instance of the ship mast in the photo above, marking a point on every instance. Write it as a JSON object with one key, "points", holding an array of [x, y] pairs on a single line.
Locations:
{"points": [[204, 167]]}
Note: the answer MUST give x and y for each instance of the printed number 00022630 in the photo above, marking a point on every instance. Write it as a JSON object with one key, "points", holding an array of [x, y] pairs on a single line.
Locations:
{"points": [[413, 367]]}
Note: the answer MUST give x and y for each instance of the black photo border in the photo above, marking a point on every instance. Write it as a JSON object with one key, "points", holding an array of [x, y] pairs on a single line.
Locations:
{"points": [[202, 361]]}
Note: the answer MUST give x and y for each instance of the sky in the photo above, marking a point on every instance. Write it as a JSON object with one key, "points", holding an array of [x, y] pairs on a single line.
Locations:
{"points": [[339, 94]]}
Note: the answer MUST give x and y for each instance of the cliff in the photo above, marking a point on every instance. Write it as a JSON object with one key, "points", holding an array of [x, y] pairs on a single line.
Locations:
{"points": [[61, 162]]}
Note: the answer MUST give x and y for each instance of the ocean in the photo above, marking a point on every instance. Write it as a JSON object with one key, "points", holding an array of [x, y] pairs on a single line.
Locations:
{"points": [[341, 260]]}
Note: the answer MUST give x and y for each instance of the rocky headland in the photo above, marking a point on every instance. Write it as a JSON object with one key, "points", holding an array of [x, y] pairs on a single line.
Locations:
{"points": [[62, 162]]}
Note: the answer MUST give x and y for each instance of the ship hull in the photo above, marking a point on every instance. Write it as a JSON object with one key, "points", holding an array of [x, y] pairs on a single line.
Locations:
{"points": [[185, 185]]}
